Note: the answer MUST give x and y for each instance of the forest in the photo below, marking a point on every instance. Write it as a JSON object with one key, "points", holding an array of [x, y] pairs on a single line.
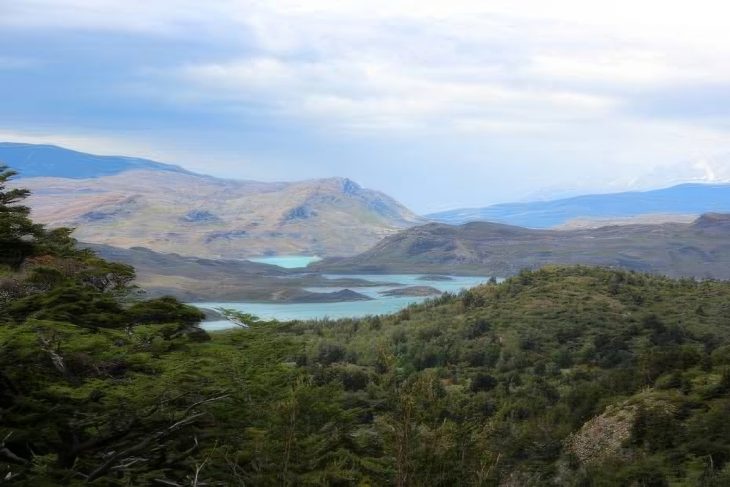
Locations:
{"points": [[570, 376]]}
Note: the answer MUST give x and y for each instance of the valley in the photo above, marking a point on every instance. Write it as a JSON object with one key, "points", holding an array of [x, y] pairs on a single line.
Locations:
{"points": [[329, 248], [146, 204], [385, 298], [364, 244], [580, 372]]}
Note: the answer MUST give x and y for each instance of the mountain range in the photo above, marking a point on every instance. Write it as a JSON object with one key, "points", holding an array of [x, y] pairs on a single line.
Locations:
{"points": [[128, 202], [700, 249], [34, 160], [199, 279], [678, 203]]}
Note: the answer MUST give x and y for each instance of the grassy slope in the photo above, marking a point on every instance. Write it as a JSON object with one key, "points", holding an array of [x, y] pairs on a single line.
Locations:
{"points": [[700, 249], [198, 279], [207, 217], [480, 389]]}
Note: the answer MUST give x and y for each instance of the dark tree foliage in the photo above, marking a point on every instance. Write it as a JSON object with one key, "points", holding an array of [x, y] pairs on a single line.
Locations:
{"points": [[164, 310], [81, 399], [17, 231]]}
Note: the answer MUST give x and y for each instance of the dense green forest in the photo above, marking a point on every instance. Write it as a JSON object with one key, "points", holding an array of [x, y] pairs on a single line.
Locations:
{"points": [[563, 376]]}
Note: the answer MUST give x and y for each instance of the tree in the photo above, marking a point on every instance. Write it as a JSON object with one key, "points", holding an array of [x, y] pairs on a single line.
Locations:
{"points": [[17, 231]]}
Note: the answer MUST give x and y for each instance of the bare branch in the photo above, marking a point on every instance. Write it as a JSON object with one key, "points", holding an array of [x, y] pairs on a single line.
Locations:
{"points": [[167, 482], [115, 457], [7, 453], [205, 401]]}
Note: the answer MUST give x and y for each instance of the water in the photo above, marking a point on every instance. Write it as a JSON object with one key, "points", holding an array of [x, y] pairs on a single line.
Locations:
{"points": [[350, 309], [288, 261]]}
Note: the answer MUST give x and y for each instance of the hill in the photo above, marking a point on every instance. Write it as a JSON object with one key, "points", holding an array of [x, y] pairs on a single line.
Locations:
{"points": [[660, 205], [198, 279], [564, 376], [32, 160], [698, 249], [128, 202]]}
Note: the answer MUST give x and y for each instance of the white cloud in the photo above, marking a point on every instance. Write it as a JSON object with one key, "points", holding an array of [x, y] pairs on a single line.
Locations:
{"points": [[370, 95], [550, 82], [610, 67], [154, 17], [709, 169], [461, 65]]}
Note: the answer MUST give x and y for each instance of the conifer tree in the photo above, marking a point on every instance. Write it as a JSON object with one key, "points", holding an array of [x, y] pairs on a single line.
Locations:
{"points": [[17, 231]]}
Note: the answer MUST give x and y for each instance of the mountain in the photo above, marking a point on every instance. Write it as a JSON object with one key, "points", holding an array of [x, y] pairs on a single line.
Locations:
{"points": [[680, 201], [198, 279], [571, 376], [564, 376], [132, 202], [51, 161], [698, 249]]}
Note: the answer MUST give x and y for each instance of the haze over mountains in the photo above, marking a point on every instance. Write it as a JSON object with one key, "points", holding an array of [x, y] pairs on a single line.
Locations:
{"points": [[683, 202], [129, 202], [52, 161]]}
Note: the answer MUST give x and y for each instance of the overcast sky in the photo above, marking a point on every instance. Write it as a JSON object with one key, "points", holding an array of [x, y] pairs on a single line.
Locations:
{"points": [[438, 103]]}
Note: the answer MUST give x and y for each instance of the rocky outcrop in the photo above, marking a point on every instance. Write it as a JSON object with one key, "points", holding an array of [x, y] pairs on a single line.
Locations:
{"points": [[604, 436]]}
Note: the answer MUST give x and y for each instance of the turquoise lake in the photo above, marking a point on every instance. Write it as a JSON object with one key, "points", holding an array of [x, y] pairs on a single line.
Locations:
{"points": [[352, 309]]}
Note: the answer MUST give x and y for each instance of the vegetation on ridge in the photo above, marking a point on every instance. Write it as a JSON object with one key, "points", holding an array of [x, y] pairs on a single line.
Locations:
{"points": [[561, 376]]}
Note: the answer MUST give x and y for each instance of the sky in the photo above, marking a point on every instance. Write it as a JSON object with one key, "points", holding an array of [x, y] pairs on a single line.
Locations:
{"points": [[441, 104]]}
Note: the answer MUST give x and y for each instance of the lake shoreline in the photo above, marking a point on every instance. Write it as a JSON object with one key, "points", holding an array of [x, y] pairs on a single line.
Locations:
{"points": [[382, 300]]}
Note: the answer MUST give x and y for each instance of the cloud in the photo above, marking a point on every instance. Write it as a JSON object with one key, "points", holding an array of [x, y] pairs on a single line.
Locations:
{"points": [[161, 17], [466, 65], [371, 95], [524, 93]]}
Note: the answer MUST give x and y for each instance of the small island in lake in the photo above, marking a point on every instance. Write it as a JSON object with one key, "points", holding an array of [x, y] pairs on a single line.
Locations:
{"points": [[302, 296], [412, 291], [435, 277]]}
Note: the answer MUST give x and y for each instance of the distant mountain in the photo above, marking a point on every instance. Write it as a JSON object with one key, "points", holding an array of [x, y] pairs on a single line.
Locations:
{"points": [[133, 202], [682, 200], [51, 161], [698, 249], [198, 279]]}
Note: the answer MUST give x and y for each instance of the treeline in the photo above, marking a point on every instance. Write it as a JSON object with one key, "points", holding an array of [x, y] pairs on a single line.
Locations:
{"points": [[80, 393], [563, 376]]}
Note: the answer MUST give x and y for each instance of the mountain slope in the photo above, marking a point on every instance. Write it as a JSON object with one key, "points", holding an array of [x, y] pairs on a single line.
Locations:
{"points": [[682, 200], [560, 377], [196, 279], [51, 161], [170, 210], [565, 376], [700, 249]]}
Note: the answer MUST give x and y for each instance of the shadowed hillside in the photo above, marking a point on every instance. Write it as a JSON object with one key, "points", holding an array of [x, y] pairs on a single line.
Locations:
{"points": [[699, 249], [200, 279]]}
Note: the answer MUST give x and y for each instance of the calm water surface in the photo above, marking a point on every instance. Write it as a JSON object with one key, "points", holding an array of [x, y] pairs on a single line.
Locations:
{"points": [[351, 309]]}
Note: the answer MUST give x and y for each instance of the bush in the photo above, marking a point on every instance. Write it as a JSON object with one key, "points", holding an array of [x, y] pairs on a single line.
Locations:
{"points": [[164, 310], [483, 382]]}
